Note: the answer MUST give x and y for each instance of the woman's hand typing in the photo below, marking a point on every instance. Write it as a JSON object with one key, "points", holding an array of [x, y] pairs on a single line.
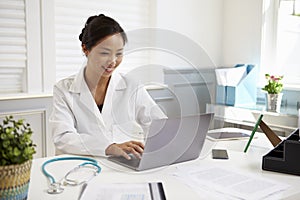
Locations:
{"points": [[134, 147]]}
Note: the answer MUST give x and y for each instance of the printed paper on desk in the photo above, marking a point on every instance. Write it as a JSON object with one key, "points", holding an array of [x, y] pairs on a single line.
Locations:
{"points": [[231, 183], [230, 76], [119, 191]]}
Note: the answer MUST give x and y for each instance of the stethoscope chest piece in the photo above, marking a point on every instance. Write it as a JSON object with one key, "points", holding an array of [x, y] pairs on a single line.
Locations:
{"points": [[55, 188]]}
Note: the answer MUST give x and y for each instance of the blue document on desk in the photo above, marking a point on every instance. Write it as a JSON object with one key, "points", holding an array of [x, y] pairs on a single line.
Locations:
{"points": [[123, 191]]}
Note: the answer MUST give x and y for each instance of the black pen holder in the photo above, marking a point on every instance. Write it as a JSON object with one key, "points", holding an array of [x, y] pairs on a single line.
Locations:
{"points": [[285, 156]]}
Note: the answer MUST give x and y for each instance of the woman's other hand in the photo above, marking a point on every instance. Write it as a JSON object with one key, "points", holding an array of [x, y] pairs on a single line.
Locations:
{"points": [[123, 149]]}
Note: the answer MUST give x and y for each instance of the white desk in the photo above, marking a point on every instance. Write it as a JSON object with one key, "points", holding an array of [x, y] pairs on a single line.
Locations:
{"points": [[251, 162]]}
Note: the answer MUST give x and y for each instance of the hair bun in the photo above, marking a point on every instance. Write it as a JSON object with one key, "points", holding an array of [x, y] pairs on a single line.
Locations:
{"points": [[81, 34], [98, 27], [91, 18]]}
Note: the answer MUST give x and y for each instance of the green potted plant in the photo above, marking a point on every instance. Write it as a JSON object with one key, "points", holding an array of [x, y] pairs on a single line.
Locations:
{"points": [[16, 154], [273, 88]]}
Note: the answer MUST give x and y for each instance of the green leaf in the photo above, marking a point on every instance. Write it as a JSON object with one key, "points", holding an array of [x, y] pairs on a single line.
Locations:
{"points": [[16, 144], [3, 136], [6, 144], [17, 152]]}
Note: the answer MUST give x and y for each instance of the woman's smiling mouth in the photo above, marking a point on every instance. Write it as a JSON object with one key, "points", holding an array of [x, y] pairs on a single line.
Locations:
{"points": [[108, 69]]}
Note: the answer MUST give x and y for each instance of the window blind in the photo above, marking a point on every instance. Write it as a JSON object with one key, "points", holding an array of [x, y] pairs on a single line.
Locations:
{"points": [[70, 17], [12, 46]]}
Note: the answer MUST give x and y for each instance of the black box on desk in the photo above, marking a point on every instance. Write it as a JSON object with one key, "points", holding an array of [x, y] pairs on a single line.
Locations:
{"points": [[285, 156]]}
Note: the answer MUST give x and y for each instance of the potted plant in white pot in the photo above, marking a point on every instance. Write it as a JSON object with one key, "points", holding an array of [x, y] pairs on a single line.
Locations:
{"points": [[273, 88], [16, 154]]}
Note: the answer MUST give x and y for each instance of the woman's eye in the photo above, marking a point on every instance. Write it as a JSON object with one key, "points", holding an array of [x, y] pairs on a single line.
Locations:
{"points": [[104, 53], [119, 54]]}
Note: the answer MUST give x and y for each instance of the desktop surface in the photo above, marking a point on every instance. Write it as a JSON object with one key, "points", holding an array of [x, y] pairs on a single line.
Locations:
{"points": [[250, 163]]}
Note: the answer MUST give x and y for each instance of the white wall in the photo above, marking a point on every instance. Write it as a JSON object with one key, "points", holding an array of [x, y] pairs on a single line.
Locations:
{"points": [[228, 30], [242, 32], [199, 20]]}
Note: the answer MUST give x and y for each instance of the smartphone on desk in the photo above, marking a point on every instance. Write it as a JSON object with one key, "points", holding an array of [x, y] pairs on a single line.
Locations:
{"points": [[219, 154]]}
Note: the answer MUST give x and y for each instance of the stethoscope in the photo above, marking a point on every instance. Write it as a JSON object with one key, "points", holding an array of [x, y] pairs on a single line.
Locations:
{"points": [[56, 187]]}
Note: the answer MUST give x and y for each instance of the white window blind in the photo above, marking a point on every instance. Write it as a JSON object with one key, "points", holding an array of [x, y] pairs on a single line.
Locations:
{"points": [[70, 17], [12, 46]]}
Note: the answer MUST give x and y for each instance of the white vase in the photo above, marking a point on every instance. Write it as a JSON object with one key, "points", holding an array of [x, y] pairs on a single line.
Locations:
{"points": [[273, 102]]}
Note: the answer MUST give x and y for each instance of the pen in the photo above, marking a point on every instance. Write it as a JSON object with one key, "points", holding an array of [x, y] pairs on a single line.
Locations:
{"points": [[253, 132], [82, 190]]}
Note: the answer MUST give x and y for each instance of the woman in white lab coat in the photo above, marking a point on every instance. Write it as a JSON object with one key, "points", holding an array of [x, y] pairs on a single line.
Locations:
{"points": [[100, 112]]}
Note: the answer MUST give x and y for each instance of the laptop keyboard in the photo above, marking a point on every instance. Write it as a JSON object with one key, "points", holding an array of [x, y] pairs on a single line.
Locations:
{"points": [[133, 162]]}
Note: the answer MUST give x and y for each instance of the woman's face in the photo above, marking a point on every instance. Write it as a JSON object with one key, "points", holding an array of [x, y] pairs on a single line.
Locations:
{"points": [[106, 56]]}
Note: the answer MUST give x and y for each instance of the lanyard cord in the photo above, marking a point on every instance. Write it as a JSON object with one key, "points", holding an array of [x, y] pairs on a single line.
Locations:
{"points": [[50, 177]]}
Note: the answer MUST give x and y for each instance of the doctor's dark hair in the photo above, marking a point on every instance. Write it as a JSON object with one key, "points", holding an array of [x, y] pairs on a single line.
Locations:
{"points": [[98, 27]]}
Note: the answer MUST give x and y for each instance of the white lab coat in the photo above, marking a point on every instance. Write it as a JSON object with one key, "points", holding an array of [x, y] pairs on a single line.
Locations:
{"points": [[77, 125]]}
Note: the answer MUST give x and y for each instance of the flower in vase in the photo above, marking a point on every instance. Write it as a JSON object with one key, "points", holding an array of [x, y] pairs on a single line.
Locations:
{"points": [[274, 85]]}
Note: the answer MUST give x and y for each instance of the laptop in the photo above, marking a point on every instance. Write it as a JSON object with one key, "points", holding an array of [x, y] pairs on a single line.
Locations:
{"points": [[170, 141]]}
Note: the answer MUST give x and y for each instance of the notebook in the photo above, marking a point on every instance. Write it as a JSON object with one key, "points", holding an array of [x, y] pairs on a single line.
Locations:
{"points": [[170, 141]]}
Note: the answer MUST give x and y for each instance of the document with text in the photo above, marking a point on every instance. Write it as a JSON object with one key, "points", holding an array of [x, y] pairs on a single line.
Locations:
{"points": [[230, 184]]}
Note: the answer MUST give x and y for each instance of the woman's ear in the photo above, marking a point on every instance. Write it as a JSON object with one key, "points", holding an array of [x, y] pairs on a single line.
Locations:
{"points": [[84, 50]]}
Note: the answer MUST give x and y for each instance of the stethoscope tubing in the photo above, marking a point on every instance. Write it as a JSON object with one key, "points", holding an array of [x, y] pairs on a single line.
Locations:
{"points": [[90, 161]]}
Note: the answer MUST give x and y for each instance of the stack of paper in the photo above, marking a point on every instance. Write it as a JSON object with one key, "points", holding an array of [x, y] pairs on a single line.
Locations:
{"points": [[230, 76]]}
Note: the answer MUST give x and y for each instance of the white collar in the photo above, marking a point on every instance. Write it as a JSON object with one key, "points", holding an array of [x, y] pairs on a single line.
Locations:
{"points": [[118, 81]]}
